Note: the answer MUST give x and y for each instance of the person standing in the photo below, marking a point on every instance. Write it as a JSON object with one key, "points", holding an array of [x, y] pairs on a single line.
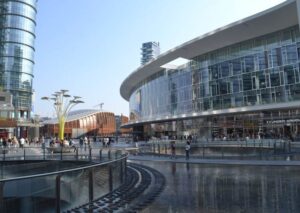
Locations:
{"points": [[173, 155], [4, 142], [81, 142], [187, 150], [22, 142], [85, 140]]}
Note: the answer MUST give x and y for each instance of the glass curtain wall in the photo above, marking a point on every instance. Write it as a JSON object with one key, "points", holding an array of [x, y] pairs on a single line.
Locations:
{"points": [[17, 35], [260, 71]]}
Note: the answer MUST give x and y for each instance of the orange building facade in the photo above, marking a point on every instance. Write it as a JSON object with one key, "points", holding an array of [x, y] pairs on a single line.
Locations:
{"points": [[125, 131], [84, 123]]}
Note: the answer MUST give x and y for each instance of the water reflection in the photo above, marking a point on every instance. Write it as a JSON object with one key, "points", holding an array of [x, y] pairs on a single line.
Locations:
{"points": [[209, 188], [187, 167], [173, 165]]}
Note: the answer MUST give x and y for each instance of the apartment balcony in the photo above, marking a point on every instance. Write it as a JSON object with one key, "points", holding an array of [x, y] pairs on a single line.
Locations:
{"points": [[27, 122]]}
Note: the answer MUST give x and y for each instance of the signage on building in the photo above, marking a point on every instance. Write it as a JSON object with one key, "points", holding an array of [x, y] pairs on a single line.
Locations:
{"points": [[283, 121]]}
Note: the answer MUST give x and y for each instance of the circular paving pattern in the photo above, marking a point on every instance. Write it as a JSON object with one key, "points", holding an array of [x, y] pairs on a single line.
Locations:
{"points": [[142, 185]]}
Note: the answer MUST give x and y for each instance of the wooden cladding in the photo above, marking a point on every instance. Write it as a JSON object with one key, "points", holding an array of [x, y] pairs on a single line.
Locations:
{"points": [[7, 123], [124, 120], [101, 123]]}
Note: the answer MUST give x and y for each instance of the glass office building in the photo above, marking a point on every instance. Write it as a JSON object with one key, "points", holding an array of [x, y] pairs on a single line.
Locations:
{"points": [[17, 35], [150, 51], [241, 81]]}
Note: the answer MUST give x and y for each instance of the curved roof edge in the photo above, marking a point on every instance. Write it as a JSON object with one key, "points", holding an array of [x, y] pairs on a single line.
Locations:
{"points": [[77, 114], [271, 20]]}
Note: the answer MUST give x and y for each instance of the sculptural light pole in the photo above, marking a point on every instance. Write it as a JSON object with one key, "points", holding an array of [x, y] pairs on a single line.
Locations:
{"points": [[63, 103]]}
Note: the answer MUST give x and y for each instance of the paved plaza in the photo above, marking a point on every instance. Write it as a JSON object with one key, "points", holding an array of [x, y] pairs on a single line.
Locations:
{"points": [[155, 182]]}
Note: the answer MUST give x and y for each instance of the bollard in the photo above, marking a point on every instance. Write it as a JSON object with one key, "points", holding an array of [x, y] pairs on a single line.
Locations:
{"points": [[203, 151], [125, 162], [110, 180], [57, 192], [121, 171], [24, 154], [166, 152], [61, 151], [90, 154], [4, 154], [158, 149], [44, 152], [289, 146], [222, 152], [2, 202], [260, 151], [91, 191], [76, 154], [108, 153], [100, 153], [242, 154]]}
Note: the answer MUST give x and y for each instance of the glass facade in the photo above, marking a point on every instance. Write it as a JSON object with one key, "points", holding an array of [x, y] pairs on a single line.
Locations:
{"points": [[17, 35], [150, 51], [263, 70]]}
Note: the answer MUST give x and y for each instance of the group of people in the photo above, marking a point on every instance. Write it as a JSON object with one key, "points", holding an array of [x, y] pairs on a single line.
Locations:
{"points": [[187, 150], [54, 142], [86, 141], [15, 142]]}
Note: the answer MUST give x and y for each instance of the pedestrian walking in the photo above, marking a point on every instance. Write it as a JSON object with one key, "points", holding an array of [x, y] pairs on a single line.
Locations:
{"points": [[81, 142], [187, 150]]}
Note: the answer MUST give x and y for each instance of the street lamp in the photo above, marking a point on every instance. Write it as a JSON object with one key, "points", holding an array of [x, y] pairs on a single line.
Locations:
{"points": [[62, 103]]}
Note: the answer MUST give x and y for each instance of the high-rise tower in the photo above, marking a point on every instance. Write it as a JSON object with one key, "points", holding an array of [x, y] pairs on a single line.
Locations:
{"points": [[17, 35], [150, 50]]}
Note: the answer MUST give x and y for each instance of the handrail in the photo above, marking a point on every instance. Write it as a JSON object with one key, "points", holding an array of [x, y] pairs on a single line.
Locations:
{"points": [[64, 171]]}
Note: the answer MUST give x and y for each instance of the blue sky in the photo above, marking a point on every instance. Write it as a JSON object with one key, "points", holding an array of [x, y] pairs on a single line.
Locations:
{"points": [[90, 46]]}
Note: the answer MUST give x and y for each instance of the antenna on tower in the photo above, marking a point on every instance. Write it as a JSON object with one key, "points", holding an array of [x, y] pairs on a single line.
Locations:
{"points": [[100, 106]]}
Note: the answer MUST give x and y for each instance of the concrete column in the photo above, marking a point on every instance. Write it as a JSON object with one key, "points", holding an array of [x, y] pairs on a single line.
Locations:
{"points": [[179, 128], [298, 11]]}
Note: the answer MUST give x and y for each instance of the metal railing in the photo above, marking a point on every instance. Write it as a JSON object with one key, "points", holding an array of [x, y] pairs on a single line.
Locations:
{"points": [[58, 191], [57, 153], [249, 149]]}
